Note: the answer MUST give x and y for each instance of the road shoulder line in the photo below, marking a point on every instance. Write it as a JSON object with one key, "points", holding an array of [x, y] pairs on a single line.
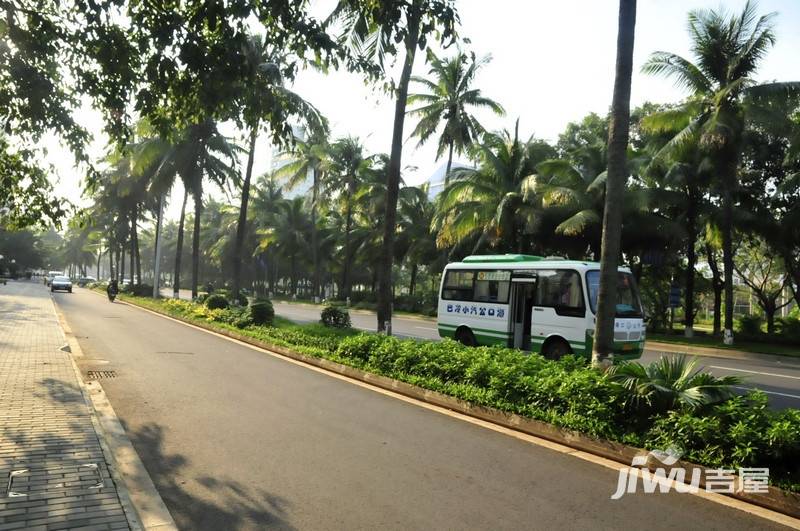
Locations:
{"points": [[144, 508], [428, 400], [709, 352]]}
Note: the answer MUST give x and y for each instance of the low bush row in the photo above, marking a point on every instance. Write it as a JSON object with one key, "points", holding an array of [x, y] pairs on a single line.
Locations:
{"points": [[722, 431]]}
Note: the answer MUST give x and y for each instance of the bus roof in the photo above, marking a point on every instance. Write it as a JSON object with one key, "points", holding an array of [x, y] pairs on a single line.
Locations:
{"points": [[523, 261]]}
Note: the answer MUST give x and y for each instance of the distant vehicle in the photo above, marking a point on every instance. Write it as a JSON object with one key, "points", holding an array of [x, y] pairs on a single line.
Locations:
{"points": [[61, 283], [544, 305], [86, 280], [51, 275]]}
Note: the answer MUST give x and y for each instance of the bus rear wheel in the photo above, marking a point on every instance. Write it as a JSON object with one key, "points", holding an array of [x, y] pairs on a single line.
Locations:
{"points": [[466, 337], [555, 349]]}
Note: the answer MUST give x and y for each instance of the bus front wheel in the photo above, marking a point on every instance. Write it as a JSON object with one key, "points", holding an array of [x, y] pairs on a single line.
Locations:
{"points": [[465, 337], [555, 349]]}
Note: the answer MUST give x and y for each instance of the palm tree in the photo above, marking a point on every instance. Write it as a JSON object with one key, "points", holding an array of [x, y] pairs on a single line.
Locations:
{"points": [[345, 168], [370, 30], [727, 51], [670, 383], [267, 194], [488, 204], [416, 238], [199, 153], [308, 156], [265, 95], [580, 188], [448, 102], [615, 186], [288, 235]]}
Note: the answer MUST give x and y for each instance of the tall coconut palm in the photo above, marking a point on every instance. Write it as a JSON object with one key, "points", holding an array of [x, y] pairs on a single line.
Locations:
{"points": [[288, 235], [727, 51], [448, 104], [307, 157], [488, 204], [265, 97], [416, 237], [616, 176], [345, 167], [372, 30], [200, 153]]}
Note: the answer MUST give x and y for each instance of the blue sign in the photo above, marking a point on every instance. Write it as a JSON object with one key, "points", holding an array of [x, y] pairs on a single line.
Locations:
{"points": [[476, 310], [674, 297]]}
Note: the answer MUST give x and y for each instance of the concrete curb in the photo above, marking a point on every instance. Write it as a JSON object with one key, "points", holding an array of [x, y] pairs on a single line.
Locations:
{"points": [[778, 500], [143, 506], [710, 352]]}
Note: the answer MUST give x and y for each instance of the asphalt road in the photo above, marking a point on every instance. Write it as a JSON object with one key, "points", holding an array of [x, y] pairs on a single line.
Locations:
{"points": [[238, 439]]}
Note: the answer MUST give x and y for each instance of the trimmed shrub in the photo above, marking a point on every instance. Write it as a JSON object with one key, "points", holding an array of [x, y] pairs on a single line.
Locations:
{"points": [[789, 328], [216, 301], [140, 290], [750, 325], [262, 312], [240, 298], [335, 317]]}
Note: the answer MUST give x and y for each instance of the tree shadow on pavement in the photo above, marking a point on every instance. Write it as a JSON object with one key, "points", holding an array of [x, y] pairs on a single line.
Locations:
{"points": [[205, 502]]}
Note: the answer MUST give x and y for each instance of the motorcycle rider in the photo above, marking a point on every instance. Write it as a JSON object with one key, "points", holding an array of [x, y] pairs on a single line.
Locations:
{"points": [[112, 290]]}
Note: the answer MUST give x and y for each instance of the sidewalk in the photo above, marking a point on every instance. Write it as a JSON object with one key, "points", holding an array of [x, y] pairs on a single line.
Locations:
{"points": [[53, 474]]}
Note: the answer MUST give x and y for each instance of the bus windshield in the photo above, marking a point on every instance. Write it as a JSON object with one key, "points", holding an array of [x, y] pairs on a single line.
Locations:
{"points": [[628, 304]]}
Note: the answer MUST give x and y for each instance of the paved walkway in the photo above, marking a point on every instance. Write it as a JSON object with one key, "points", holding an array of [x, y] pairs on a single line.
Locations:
{"points": [[53, 474]]}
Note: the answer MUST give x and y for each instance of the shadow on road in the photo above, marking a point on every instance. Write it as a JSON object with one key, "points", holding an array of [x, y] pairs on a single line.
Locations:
{"points": [[205, 502]]}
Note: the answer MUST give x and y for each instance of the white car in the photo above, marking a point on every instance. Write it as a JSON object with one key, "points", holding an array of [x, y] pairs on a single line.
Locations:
{"points": [[61, 284], [51, 275]]}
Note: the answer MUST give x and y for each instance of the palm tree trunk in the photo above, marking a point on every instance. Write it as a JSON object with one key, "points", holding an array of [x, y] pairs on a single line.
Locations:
{"points": [[132, 245], [348, 227], [293, 276], [727, 259], [314, 233], [393, 174], [717, 284], [603, 346], [691, 258], [413, 283], [241, 226], [99, 257], [121, 262], [176, 285], [449, 164], [198, 210]]}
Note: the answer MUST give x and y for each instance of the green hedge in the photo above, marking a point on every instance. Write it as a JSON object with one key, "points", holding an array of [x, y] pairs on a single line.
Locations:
{"points": [[740, 432]]}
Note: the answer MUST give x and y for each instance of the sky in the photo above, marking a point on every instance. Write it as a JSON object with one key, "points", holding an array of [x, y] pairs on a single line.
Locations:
{"points": [[552, 63]]}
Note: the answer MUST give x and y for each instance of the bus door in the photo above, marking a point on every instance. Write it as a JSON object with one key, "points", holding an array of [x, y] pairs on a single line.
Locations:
{"points": [[523, 288]]}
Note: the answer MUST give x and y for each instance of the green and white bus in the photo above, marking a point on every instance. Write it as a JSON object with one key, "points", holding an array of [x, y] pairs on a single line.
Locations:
{"points": [[544, 305]]}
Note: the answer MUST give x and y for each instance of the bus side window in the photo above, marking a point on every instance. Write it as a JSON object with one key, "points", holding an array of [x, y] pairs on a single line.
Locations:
{"points": [[492, 286], [458, 285], [562, 291]]}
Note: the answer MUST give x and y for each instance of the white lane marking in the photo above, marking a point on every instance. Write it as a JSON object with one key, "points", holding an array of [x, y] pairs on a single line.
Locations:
{"points": [[766, 392], [427, 328], [755, 372]]}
